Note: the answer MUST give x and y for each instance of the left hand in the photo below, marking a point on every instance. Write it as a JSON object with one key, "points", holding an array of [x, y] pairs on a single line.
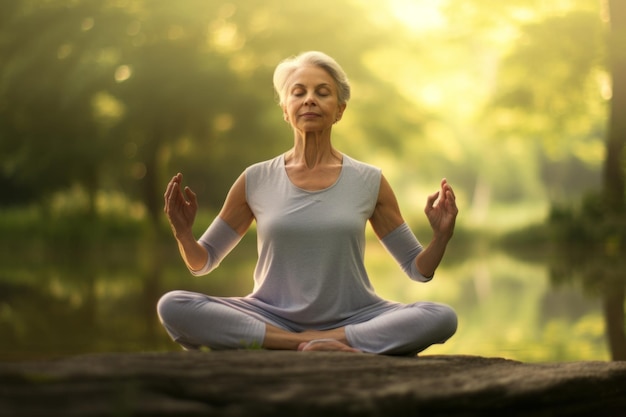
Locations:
{"points": [[441, 211]]}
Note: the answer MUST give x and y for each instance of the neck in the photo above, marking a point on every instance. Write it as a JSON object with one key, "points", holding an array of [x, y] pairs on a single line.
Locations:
{"points": [[313, 149]]}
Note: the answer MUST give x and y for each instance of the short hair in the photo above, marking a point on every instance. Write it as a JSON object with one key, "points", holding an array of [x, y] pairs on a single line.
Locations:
{"points": [[319, 59]]}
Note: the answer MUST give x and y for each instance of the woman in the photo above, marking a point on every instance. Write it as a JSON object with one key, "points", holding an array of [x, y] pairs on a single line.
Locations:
{"points": [[311, 205]]}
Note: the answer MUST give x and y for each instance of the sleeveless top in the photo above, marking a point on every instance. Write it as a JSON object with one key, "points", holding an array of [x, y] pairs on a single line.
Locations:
{"points": [[311, 244]]}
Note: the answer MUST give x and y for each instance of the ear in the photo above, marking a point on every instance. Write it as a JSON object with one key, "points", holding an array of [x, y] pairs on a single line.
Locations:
{"points": [[285, 115], [342, 108]]}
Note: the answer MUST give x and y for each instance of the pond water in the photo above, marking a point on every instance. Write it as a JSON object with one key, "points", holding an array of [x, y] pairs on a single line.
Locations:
{"points": [[63, 300]]}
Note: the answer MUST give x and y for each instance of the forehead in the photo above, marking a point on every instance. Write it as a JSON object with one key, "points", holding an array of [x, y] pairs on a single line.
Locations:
{"points": [[310, 75]]}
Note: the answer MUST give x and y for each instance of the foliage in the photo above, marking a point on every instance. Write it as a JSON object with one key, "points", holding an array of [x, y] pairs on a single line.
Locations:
{"points": [[556, 104], [110, 95], [27, 225], [590, 227], [132, 89], [101, 101]]}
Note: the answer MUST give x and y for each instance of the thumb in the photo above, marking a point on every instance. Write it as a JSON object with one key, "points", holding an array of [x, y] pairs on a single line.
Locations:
{"points": [[431, 200], [193, 199]]}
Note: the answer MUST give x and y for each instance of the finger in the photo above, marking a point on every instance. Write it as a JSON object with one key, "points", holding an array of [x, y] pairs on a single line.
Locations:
{"points": [[451, 206], [450, 191], [447, 193], [177, 195], [175, 179], [446, 183], [175, 198], [193, 199], [430, 200], [451, 195], [168, 194]]}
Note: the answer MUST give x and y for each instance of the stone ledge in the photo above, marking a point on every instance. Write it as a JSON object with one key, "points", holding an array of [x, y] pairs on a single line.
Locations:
{"points": [[270, 383]]}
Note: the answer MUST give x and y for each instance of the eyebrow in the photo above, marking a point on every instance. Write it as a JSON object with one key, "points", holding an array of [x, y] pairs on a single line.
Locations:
{"points": [[297, 85]]}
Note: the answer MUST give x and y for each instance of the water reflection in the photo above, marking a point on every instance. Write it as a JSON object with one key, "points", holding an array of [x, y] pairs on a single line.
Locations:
{"points": [[102, 298], [599, 272], [507, 307]]}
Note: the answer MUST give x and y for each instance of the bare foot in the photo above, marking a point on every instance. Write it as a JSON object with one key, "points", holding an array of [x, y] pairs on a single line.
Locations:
{"points": [[326, 345]]}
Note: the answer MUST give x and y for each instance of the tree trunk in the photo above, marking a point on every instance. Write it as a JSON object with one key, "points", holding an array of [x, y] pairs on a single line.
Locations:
{"points": [[614, 318], [614, 164], [614, 168]]}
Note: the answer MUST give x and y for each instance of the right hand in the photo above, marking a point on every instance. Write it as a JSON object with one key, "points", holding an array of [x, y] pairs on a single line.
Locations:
{"points": [[180, 211], [441, 211]]}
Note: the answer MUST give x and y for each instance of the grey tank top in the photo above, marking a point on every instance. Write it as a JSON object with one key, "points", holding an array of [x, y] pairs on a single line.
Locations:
{"points": [[311, 244]]}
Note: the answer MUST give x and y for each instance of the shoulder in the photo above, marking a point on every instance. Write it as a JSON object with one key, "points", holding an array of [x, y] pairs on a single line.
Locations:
{"points": [[360, 166], [264, 175], [262, 171], [262, 167], [368, 173]]}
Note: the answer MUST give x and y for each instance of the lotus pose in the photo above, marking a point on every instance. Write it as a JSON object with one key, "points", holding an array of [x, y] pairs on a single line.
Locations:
{"points": [[311, 205]]}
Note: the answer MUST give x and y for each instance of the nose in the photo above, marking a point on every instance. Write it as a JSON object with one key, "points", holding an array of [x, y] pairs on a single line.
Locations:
{"points": [[309, 100]]}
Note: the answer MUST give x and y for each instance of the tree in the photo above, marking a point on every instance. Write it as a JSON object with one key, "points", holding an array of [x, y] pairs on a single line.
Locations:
{"points": [[48, 136], [123, 95], [591, 239], [614, 170], [615, 294], [550, 96]]}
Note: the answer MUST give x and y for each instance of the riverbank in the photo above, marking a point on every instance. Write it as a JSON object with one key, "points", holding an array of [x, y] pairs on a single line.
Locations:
{"points": [[264, 383]]}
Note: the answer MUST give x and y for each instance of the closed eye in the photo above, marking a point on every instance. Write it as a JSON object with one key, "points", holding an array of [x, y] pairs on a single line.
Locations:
{"points": [[324, 92]]}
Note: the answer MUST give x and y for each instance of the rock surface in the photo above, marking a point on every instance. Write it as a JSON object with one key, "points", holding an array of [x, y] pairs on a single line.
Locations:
{"points": [[264, 383]]}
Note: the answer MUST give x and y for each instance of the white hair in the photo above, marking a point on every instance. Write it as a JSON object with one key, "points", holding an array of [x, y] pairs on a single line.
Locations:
{"points": [[319, 59]]}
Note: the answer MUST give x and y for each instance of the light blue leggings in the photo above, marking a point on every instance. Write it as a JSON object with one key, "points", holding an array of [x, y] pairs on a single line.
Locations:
{"points": [[194, 320]]}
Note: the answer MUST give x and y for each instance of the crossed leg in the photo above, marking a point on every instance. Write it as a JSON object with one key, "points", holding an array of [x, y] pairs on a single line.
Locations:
{"points": [[329, 340], [194, 320], [406, 330]]}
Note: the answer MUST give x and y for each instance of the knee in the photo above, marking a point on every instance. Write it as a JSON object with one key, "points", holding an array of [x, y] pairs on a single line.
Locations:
{"points": [[169, 305], [448, 320]]}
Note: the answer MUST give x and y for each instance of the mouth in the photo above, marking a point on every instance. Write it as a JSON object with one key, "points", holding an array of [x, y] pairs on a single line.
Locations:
{"points": [[309, 115]]}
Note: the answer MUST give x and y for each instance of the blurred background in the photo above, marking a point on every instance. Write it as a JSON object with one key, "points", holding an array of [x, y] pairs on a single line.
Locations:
{"points": [[520, 104]]}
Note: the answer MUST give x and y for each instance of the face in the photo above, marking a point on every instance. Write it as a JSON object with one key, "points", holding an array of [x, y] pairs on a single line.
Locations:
{"points": [[311, 102]]}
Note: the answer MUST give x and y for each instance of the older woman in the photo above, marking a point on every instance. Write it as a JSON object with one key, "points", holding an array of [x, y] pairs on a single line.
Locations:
{"points": [[311, 205]]}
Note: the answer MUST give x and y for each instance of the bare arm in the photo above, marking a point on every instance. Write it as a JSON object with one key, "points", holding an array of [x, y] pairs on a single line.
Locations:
{"points": [[386, 217], [236, 211], [181, 213], [441, 212]]}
